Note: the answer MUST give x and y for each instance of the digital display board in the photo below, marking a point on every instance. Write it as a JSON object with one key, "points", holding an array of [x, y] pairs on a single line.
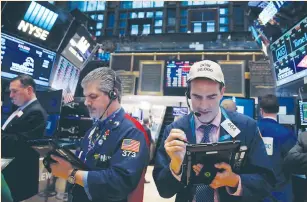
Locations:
{"points": [[79, 48], [303, 112], [21, 57], [289, 54], [175, 78], [65, 76]]}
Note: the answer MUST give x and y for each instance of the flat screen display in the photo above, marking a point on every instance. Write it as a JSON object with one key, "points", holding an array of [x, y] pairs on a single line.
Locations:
{"points": [[245, 106], [39, 22], [289, 54], [79, 48], [176, 73], [303, 112], [180, 111], [21, 57], [65, 76]]}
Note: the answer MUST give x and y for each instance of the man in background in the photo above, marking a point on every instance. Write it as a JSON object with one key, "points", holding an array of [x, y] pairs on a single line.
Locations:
{"points": [[278, 141], [229, 105], [296, 162], [26, 123]]}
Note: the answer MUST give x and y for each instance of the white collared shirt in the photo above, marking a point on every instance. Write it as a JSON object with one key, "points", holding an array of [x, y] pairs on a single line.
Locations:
{"points": [[269, 117]]}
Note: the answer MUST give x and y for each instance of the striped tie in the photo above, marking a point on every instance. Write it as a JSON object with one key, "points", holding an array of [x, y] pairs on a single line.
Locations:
{"points": [[204, 193]]}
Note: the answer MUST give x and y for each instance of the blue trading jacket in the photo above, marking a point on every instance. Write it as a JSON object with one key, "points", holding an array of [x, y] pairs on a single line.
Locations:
{"points": [[257, 176], [283, 141], [117, 160]]}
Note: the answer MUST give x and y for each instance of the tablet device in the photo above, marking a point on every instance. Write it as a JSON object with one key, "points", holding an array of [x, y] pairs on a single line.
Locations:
{"points": [[208, 154], [60, 150]]}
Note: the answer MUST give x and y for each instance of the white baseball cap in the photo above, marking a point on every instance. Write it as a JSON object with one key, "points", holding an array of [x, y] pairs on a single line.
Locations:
{"points": [[206, 69]]}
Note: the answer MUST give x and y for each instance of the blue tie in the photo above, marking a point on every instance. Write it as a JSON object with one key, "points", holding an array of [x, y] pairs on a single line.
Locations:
{"points": [[204, 193]]}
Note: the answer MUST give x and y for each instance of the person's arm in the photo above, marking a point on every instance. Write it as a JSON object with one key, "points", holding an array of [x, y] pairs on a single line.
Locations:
{"points": [[296, 159], [32, 127], [167, 182], [257, 176]]}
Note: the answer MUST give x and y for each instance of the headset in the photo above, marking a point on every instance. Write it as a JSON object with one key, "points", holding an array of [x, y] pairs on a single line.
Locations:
{"points": [[112, 94], [188, 96]]}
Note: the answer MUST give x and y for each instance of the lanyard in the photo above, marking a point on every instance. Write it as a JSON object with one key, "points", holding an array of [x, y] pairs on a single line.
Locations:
{"points": [[192, 122]]}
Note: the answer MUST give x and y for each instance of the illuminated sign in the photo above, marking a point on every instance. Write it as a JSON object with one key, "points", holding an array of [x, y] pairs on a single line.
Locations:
{"points": [[38, 21], [82, 45], [270, 10], [281, 52]]}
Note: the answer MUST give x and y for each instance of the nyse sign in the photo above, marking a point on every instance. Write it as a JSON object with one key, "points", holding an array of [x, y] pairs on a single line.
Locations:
{"points": [[33, 30]]}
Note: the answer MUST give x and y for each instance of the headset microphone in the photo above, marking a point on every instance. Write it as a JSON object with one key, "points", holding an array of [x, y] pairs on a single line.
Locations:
{"points": [[195, 113]]}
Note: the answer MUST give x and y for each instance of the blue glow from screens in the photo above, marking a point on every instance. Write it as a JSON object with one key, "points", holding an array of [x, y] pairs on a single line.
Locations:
{"points": [[52, 124], [245, 106], [40, 16]]}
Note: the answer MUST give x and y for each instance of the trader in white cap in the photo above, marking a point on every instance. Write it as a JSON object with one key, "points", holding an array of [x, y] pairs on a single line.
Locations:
{"points": [[251, 182]]}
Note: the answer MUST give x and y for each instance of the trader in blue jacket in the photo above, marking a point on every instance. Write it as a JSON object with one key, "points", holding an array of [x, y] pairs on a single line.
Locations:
{"points": [[255, 179], [114, 149], [278, 141]]}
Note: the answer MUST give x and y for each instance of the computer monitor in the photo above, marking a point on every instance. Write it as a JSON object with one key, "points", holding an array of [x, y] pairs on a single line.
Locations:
{"points": [[245, 106], [180, 111], [175, 77], [51, 101], [303, 112], [21, 57], [65, 76]]}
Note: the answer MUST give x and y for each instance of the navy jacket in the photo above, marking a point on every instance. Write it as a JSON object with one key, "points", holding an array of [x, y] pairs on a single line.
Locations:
{"points": [[283, 141], [117, 163], [257, 176]]}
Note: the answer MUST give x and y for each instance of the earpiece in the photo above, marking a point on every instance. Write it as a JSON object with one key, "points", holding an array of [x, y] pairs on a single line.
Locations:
{"points": [[112, 93]]}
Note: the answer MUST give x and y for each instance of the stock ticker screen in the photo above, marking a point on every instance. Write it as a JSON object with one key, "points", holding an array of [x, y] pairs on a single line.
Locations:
{"points": [[303, 112], [21, 57], [176, 73], [289, 54], [65, 76]]}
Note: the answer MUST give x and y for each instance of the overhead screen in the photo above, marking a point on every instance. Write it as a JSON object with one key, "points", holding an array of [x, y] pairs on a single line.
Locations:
{"points": [[65, 76], [79, 48], [289, 54], [38, 22], [175, 77], [303, 112], [21, 57], [245, 106]]}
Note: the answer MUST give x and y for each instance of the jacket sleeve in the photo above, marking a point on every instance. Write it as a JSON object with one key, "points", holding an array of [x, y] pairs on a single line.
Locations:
{"points": [[124, 173], [32, 127], [166, 183], [296, 160], [287, 143], [257, 177]]}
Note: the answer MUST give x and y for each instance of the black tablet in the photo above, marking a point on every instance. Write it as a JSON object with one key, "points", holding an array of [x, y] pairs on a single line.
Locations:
{"points": [[61, 151], [209, 154]]}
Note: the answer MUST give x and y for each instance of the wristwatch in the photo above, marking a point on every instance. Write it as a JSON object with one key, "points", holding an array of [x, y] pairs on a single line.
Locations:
{"points": [[71, 178]]}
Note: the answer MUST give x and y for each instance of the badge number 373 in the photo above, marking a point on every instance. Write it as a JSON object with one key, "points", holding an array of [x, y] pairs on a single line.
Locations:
{"points": [[128, 153]]}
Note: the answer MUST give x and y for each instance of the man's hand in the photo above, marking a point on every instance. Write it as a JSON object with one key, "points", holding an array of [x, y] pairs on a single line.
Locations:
{"points": [[62, 168], [176, 149], [225, 178], [222, 179]]}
